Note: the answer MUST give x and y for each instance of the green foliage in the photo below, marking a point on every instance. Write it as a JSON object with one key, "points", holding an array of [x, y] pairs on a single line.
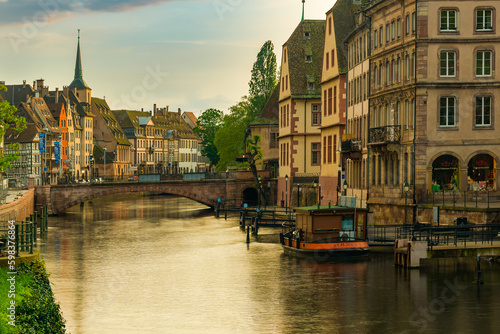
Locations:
{"points": [[209, 122], [36, 310], [8, 119], [230, 139], [264, 76]]}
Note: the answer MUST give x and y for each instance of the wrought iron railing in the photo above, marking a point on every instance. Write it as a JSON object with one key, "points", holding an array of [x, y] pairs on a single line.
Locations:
{"points": [[385, 134], [351, 146]]}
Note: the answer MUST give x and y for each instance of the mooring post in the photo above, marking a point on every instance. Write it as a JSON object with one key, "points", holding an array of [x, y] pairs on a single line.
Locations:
{"points": [[478, 273], [248, 234]]}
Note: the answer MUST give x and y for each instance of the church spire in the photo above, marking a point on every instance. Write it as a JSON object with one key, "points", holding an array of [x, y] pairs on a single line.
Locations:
{"points": [[303, 5], [78, 66]]}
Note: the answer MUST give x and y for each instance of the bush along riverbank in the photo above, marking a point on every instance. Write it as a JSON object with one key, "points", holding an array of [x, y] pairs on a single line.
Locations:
{"points": [[27, 303]]}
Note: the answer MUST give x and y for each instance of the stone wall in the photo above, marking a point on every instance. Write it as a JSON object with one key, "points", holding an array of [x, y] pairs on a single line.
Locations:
{"points": [[19, 209]]}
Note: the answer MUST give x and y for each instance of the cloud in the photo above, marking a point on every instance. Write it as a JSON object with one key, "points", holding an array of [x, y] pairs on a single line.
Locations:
{"points": [[18, 12]]}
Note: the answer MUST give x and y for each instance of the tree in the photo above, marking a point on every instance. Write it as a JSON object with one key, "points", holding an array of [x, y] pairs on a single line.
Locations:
{"points": [[230, 139], [254, 152], [264, 77], [209, 122], [8, 119]]}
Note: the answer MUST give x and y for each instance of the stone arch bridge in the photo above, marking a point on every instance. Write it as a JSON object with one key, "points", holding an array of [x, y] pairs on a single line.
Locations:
{"points": [[59, 198]]}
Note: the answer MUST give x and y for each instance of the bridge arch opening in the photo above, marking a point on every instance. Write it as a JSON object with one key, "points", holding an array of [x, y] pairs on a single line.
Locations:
{"points": [[251, 196]]}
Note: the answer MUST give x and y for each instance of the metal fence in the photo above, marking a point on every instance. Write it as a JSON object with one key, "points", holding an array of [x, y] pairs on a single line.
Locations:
{"points": [[19, 236], [464, 199], [457, 235]]}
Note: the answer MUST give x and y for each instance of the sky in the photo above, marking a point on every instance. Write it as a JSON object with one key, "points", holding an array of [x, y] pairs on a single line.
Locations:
{"points": [[191, 54]]}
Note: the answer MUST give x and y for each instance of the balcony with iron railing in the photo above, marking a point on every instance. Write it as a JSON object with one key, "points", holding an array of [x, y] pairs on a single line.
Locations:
{"points": [[385, 135], [350, 145]]}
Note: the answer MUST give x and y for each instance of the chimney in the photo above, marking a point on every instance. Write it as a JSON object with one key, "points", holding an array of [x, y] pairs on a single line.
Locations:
{"points": [[66, 91], [39, 83], [34, 85], [24, 83], [142, 109], [167, 108], [57, 95], [154, 109], [179, 114]]}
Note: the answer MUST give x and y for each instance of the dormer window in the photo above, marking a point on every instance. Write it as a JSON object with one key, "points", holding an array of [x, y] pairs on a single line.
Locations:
{"points": [[309, 59], [310, 85], [307, 34]]}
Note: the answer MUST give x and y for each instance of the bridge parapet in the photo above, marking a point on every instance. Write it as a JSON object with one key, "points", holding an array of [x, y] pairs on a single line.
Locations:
{"points": [[59, 198]]}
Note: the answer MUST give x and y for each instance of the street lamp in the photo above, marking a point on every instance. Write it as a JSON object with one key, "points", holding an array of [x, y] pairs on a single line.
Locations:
{"points": [[154, 159], [286, 193], [406, 188], [45, 169], [345, 187], [104, 148], [260, 191], [133, 159]]}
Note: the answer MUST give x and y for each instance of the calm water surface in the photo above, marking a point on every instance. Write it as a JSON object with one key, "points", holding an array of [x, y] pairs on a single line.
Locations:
{"points": [[166, 265]]}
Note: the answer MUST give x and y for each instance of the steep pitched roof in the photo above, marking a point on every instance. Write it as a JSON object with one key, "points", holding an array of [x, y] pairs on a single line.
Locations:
{"points": [[56, 109], [78, 81], [344, 23], [299, 46], [100, 107], [191, 117], [129, 119], [270, 112], [16, 94], [26, 136]]}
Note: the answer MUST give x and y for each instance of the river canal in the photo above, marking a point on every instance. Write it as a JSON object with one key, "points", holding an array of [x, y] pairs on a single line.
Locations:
{"points": [[166, 265]]}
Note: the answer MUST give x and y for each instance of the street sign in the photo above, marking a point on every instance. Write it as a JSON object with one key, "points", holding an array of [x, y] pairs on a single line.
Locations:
{"points": [[41, 142], [57, 152]]}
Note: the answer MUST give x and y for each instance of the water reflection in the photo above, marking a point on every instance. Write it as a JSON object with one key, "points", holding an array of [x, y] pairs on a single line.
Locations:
{"points": [[165, 265]]}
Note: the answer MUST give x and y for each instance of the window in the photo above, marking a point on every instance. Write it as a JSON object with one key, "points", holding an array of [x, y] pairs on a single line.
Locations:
{"points": [[484, 20], [310, 85], [329, 149], [335, 149], [387, 73], [330, 101], [483, 111], [335, 99], [381, 36], [407, 19], [483, 63], [333, 57], [309, 59], [324, 150], [324, 102], [414, 22], [447, 63], [407, 61], [399, 28], [327, 61], [447, 112], [375, 39], [387, 33], [316, 114], [393, 30], [315, 153], [448, 20], [273, 142], [329, 26], [307, 35], [375, 77]]}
